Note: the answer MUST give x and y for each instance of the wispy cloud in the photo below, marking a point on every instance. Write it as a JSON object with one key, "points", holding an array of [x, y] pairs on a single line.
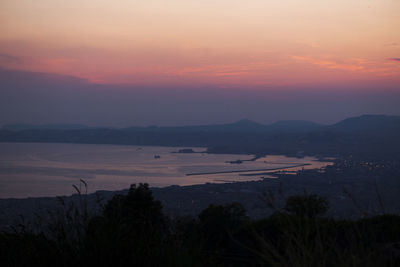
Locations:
{"points": [[394, 59], [355, 65], [7, 58], [391, 44], [308, 43], [217, 70]]}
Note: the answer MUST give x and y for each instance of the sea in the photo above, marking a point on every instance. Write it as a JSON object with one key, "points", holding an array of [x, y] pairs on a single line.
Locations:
{"points": [[52, 169]]}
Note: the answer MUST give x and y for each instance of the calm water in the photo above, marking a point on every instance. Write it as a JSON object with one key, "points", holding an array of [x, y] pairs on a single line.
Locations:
{"points": [[35, 169]]}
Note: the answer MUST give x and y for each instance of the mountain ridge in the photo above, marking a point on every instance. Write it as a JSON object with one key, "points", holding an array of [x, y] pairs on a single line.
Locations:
{"points": [[368, 122]]}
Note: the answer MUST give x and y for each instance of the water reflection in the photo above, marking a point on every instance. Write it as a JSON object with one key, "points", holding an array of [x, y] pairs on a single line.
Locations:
{"points": [[34, 169]]}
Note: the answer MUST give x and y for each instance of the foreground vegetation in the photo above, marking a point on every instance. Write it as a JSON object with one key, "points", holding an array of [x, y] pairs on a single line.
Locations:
{"points": [[131, 230]]}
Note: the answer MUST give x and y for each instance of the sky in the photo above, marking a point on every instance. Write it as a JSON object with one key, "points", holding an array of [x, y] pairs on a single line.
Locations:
{"points": [[130, 62]]}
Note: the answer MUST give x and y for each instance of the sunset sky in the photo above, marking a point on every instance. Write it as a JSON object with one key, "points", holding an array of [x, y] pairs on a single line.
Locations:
{"points": [[253, 45]]}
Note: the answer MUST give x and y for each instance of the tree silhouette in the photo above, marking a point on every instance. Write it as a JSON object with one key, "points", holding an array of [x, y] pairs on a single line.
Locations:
{"points": [[132, 229], [308, 206]]}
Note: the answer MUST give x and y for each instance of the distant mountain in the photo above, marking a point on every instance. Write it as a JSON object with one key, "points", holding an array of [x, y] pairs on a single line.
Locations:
{"points": [[298, 126], [244, 125], [361, 124], [20, 127], [241, 126], [367, 123], [366, 136]]}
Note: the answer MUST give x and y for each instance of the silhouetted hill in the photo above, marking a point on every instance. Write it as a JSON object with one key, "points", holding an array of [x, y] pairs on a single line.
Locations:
{"points": [[294, 126], [366, 123], [244, 125], [366, 136]]}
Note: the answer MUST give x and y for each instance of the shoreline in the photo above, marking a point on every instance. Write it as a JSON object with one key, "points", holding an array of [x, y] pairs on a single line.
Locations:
{"points": [[192, 199], [240, 171]]}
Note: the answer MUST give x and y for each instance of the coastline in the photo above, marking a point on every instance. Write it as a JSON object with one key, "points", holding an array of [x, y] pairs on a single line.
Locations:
{"points": [[190, 200], [241, 171]]}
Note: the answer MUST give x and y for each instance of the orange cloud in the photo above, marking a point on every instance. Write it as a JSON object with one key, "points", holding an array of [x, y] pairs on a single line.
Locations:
{"points": [[331, 64]]}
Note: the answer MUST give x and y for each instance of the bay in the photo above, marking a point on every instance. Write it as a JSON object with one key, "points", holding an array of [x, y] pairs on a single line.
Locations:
{"points": [[50, 169]]}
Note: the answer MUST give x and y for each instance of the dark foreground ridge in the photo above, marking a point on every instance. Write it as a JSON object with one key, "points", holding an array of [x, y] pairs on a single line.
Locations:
{"points": [[131, 230]]}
